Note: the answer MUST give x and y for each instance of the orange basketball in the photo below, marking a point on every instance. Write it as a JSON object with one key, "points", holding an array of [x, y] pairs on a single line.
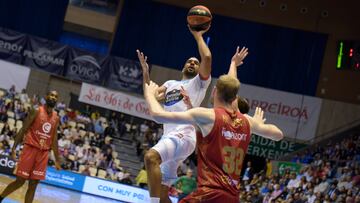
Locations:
{"points": [[199, 18]]}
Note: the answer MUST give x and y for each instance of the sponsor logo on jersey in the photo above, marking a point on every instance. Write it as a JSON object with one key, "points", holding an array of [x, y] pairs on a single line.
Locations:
{"points": [[173, 97], [46, 127], [233, 136]]}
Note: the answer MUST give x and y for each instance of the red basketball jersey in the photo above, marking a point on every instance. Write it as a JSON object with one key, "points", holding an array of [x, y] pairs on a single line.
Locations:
{"points": [[221, 153], [41, 132]]}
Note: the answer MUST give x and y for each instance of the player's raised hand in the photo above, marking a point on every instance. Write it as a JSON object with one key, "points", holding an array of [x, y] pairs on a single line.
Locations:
{"points": [[198, 34], [259, 115], [186, 98], [143, 61], [150, 89], [239, 56]]}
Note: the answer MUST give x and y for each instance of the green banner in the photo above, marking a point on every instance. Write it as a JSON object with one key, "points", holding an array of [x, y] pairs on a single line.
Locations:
{"points": [[294, 167], [270, 149]]}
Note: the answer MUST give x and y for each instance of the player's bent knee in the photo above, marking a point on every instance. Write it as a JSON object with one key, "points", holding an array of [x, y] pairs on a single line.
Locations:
{"points": [[152, 157]]}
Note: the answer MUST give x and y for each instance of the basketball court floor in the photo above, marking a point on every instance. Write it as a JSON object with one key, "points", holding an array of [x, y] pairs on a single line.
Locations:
{"points": [[50, 194]]}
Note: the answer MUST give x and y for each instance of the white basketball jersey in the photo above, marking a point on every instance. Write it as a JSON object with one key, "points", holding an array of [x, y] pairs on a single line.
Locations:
{"points": [[196, 89]]}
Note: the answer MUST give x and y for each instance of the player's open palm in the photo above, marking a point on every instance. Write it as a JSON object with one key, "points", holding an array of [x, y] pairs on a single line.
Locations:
{"points": [[259, 115], [143, 61], [239, 56]]}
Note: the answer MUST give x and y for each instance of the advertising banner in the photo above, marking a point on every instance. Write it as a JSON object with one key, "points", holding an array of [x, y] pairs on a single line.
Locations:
{"points": [[267, 148], [12, 45], [46, 55], [86, 67], [293, 167], [64, 179], [114, 100], [7, 165], [125, 75], [117, 191], [296, 115]]}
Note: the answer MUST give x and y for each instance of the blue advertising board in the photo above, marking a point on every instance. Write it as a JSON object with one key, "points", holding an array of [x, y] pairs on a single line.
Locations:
{"points": [[64, 179]]}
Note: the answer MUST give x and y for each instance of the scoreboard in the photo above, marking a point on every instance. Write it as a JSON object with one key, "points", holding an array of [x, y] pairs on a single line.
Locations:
{"points": [[348, 55]]}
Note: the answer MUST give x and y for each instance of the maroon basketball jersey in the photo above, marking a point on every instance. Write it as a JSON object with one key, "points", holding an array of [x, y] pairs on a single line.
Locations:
{"points": [[221, 153], [42, 130]]}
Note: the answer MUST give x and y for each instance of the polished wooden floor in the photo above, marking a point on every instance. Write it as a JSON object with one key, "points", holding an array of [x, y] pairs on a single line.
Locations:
{"points": [[49, 194]]}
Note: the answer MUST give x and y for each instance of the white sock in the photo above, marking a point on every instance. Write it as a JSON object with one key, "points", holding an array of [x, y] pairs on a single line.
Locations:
{"points": [[154, 199]]}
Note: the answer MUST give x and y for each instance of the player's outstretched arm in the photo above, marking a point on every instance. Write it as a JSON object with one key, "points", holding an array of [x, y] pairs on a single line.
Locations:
{"points": [[146, 75], [204, 51], [258, 126], [144, 66], [195, 116], [20, 135], [237, 60]]}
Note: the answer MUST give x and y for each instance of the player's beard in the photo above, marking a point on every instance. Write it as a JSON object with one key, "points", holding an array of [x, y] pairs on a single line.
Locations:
{"points": [[50, 103], [189, 73]]}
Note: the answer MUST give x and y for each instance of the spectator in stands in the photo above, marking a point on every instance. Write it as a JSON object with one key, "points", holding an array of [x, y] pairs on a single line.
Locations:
{"points": [[86, 171], [126, 179], [143, 128], [112, 170], [20, 113], [24, 98], [87, 111], [141, 178], [11, 92], [61, 106], [98, 127], [3, 113], [185, 184], [248, 172]]}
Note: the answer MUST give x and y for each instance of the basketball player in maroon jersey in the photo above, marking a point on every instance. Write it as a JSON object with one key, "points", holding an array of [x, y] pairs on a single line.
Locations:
{"points": [[223, 136], [39, 134]]}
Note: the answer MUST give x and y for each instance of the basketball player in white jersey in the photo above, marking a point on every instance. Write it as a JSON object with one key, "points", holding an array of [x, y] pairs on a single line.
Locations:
{"points": [[178, 141]]}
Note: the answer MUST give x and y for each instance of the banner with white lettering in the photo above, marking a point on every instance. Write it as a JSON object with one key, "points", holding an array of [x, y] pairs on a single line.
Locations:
{"points": [[46, 55], [125, 75], [12, 45], [7, 164], [118, 191], [86, 66], [270, 149], [297, 115], [114, 100]]}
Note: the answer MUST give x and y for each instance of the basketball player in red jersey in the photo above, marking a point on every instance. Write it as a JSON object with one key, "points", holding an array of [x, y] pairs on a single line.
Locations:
{"points": [[39, 134], [223, 136]]}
